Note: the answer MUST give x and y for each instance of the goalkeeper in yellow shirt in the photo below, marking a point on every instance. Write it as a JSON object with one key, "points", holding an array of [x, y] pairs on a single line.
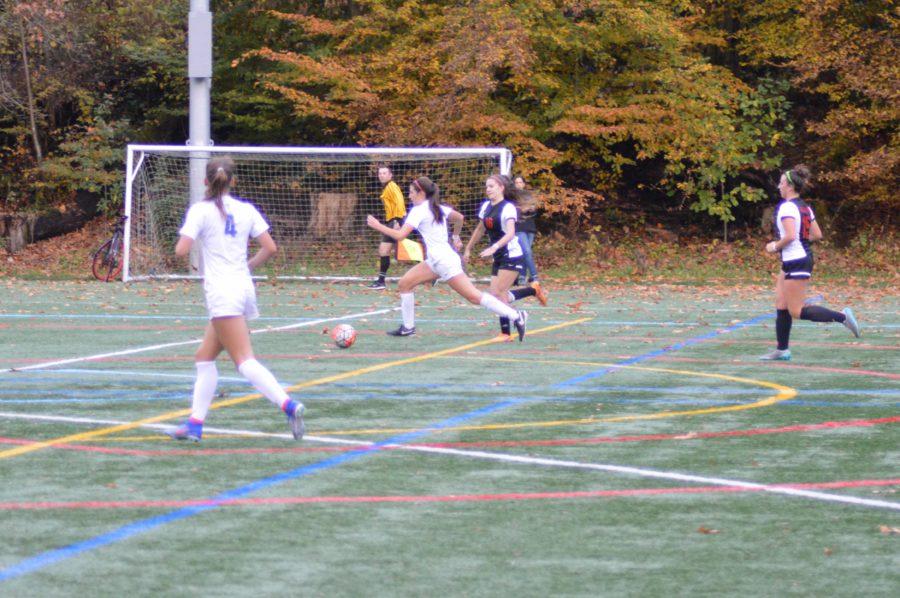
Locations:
{"points": [[394, 213]]}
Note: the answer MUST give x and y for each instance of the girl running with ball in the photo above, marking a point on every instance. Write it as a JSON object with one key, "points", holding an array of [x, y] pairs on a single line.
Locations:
{"points": [[430, 218]]}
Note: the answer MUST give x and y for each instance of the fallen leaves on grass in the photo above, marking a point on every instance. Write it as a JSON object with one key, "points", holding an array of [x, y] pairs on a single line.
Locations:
{"points": [[707, 530], [889, 531]]}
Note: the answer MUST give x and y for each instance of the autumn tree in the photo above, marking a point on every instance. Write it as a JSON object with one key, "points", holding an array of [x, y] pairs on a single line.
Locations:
{"points": [[72, 73], [580, 90]]}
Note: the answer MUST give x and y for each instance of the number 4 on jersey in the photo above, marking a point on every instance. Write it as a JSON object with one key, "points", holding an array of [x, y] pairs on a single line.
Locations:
{"points": [[230, 229]]}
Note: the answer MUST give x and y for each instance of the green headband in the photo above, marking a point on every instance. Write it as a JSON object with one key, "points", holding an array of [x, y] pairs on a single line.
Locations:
{"points": [[787, 175]]}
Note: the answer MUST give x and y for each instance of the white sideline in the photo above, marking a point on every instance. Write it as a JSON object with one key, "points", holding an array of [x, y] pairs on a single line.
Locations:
{"points": [[620, 469], [48, 364]]}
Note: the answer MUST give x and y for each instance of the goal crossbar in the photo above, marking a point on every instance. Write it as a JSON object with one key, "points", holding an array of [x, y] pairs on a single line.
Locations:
{"points": [[315, 199]]}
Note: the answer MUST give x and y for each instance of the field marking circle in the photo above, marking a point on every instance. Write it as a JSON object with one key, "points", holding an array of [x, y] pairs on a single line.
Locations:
{"points": [[784, 393]]}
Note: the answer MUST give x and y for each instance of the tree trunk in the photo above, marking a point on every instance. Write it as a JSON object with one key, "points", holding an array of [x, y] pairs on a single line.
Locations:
{"points": [[38, 153]]}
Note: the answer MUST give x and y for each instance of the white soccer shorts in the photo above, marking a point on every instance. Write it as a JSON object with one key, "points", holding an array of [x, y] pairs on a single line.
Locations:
{"points": [[446, 265], [231, 299]]}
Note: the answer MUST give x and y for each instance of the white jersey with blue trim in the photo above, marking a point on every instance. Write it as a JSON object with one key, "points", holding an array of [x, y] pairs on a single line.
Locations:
{"points": [[223, 240]]}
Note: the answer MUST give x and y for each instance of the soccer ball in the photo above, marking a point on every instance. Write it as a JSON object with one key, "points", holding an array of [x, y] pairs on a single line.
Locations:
{"points": [[344, 335]]}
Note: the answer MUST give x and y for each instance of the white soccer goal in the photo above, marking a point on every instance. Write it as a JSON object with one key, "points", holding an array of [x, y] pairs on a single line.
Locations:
{"points": [[315, 199]]}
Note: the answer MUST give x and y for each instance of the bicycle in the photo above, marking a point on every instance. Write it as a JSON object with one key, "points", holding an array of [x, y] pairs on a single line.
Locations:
{"points": [[107, 261]]}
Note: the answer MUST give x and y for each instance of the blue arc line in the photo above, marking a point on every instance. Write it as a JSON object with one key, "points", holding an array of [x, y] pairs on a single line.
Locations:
{"points": [[144, 525]]}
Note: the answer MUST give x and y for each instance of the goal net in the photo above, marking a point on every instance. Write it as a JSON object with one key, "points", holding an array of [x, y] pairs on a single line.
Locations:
{"points": [[315, 200]]}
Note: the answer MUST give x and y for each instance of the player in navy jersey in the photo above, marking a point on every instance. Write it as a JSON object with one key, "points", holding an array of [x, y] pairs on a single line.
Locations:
{"points": [[222, 225], [497, 217], [430, 218], [796, 227]]}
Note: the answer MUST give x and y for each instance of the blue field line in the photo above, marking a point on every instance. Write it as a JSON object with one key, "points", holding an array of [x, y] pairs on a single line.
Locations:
{"points": [[53, 556], [669, 349], [138, 527]]}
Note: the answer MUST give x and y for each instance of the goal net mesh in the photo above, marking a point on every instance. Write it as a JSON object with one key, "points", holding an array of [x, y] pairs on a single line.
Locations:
{"points": [[316, 203]]}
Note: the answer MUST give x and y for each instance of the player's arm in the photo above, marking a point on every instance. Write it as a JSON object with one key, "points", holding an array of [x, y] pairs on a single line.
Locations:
{"points": [[815, 233], [509, 231], [476, 236], [395, 234], [183, 246], [456, 219], [790, 234], [189, 231], [267, 249]]}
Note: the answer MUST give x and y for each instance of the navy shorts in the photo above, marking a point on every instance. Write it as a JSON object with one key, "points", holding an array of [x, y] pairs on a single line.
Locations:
{"points": [[390, 224], [799, 269], [516, 264]]}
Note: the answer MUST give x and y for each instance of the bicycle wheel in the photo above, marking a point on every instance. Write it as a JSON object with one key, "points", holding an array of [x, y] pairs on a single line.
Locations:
{"points": [[107, 262]]}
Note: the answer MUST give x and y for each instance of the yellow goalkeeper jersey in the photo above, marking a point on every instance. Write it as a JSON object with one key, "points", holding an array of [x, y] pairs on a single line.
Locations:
{"points": [[394, 204]]}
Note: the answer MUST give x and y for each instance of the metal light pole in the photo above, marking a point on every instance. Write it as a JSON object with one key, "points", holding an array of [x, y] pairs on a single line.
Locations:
{"points": [[200, 75]]}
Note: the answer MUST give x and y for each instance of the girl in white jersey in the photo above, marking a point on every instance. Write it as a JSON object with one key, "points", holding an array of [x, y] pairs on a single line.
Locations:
{"points": [[442, 261], [222, 225], [796, 226]]}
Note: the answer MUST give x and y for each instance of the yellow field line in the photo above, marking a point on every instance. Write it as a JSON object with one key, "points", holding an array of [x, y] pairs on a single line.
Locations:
{"points": [[784, 393], [82, 436]]}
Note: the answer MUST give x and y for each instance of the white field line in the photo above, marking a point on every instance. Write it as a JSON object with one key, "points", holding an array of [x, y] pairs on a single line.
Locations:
{"points": [[483, 455], [49, 364]]}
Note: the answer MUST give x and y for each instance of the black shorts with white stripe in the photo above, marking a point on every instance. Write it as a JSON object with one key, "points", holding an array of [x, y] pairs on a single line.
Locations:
{"points": [[799, 269], [504, 262]]}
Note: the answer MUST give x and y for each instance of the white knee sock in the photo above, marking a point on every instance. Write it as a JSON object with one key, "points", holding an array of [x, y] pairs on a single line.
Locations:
{"points": [[264, 381], [204, 389], [498, 307], [408, 309]]}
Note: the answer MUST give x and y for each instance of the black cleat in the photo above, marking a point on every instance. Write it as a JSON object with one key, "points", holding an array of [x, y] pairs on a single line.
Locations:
{"points": [[403, 331], [378, 285]]}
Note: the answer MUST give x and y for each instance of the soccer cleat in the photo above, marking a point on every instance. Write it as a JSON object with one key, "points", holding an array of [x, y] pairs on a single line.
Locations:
{"points": [[295, 420], [186, 431], [850, 322], [777, 355], [503, 337], [403, 331], [539, 292], [378, 285], [520, 324]]}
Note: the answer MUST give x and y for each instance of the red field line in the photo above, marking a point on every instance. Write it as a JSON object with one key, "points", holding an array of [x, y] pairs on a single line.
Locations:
{"points": [[512, 496], [830, 425]]}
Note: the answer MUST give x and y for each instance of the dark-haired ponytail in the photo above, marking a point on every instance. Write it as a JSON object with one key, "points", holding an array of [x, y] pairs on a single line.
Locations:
{"points": [[799, 177], [433, 195]]}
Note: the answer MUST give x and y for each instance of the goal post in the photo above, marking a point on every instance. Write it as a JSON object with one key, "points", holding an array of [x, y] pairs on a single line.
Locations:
{"points": [[315, 199]]}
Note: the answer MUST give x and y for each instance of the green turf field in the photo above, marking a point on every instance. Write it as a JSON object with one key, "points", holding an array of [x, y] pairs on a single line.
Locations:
{"points": [[632, 445]]}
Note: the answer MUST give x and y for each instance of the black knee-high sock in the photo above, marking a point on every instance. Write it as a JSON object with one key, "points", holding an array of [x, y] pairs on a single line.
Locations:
{"points": [[383, 267], [783, 321], [522, 292], [504, 324], [817, 313]]}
